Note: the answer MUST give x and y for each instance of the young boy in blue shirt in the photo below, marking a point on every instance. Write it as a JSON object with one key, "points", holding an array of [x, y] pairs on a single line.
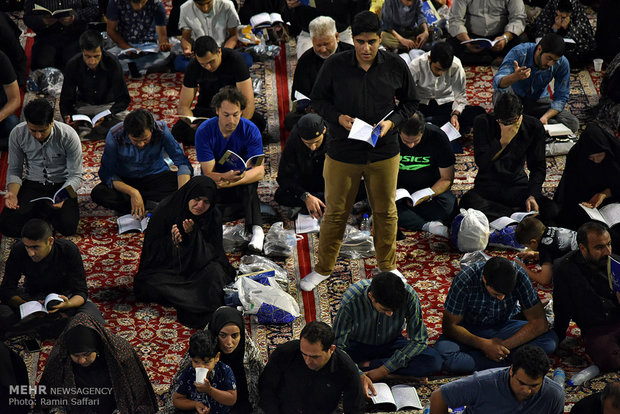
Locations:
{"points": [[219, 390]]}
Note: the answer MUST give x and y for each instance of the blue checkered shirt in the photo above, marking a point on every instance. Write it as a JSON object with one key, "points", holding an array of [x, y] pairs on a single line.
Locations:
{"points": [[357, 320], [469, 298]]}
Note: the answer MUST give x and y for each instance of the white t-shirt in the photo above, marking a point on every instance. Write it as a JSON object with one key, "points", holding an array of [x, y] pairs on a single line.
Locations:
{"points": [[216, 23]]}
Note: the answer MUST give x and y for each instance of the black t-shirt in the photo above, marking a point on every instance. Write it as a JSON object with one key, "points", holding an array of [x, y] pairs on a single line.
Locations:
{"points": [[7, 76], [419, 166], [555, 243], [232, 69]]}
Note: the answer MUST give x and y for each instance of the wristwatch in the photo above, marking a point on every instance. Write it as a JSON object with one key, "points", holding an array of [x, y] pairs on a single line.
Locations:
{"points": [[304, 196], [505, 37]]}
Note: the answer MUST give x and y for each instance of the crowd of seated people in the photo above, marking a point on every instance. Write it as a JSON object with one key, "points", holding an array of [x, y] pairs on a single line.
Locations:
{"points": [[348, 69]]}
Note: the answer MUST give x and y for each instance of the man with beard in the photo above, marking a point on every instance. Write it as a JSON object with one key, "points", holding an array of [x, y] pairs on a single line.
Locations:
{"points": [[528, 69], [581, 292]]}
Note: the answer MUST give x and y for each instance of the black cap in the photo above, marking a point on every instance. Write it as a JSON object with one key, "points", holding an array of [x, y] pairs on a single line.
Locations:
{"points": [[310, 126]]}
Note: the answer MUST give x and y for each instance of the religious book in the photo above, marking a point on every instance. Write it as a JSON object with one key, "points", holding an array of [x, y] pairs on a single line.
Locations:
{"points": [[262, 20], [483, 43], [306, 224], [60, 195], [235, 162], [300, 97], [60, 13], [613, 272], [450, 131], [609, 214], [363, 131], [92, 121], [132, 52], [193, 119], [28, 308], [416, 196], [502, 222], [557, 130], [129, 223], [430, 12], [410, 56], [395, 398]]}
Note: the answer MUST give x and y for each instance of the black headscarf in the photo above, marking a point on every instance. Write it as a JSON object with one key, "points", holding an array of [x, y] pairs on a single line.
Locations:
{"points": [[80, 339]]}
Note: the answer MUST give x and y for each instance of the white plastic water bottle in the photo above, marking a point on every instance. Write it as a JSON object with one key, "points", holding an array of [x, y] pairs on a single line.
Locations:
{"points": [[584, 375], [365, 225], [559, 377]]}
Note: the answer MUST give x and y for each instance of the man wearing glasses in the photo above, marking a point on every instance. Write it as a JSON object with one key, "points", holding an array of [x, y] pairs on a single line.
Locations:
{"points": [[503, 142]]}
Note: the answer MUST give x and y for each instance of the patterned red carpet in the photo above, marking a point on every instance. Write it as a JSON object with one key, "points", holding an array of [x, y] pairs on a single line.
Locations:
{"points": [[429, 262]]}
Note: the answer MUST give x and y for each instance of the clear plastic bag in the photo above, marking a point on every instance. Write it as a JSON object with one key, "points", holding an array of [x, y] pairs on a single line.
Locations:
{"points": [[269, 303], [473, 257], [47, 80], [356, 245], [280, 242], [235, 238], [252, 263]]}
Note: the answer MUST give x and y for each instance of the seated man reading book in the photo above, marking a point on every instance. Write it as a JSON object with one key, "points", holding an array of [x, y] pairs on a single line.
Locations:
{"points": [[237, 184], [49, 265], [53, 154], [310, 375], [426, 165], [134, 173]]}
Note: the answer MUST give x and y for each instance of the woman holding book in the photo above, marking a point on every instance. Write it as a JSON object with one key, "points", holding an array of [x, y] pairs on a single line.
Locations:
{"points": [[590, 176], [183, 263], [238, 351], [87, 356]]}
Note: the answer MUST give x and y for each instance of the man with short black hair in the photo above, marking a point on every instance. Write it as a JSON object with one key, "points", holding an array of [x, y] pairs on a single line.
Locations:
{"points": [[503, 141], [440, 84], [93, 82], [49, 265], [480, 325], [604, 402], [52, 153], [134, 174], [426, 163], [369, 327], [310, 375], [528, 69], [212, 68], [523, 387], [581, 292]]}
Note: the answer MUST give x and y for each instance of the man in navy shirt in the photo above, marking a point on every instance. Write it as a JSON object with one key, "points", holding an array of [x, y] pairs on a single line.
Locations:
{"points": [[236, 183]]}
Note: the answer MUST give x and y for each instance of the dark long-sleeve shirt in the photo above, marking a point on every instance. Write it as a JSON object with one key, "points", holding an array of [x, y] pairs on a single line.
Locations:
{"points": [[300, 168], [307, 69], [9, 44], [287, 385], [61, 272], [101, 86], [508, 168], [582, 293], [344, 88]]}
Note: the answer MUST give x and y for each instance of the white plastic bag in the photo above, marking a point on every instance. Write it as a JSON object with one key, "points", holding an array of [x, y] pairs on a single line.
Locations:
{"points": [[270, 304], [470, 230], [253, 263]]}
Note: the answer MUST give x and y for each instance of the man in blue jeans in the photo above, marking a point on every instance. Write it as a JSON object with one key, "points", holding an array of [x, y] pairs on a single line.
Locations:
{"points": [[369, 327], [480, 326]]}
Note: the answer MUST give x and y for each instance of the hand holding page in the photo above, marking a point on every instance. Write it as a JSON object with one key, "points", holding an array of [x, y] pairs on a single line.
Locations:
{"points": [[609, 214], [450, 131], [415, 197], [61, 195], [234, 161], [94, 120], [363, 131], [28, 308]]}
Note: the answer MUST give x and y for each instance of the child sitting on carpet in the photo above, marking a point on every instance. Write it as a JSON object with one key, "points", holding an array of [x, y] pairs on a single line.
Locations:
{"points": [[550, 243], [218, 392]]}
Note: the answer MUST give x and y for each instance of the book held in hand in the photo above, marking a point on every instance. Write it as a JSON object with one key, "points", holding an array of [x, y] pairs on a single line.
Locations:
{"points": [[56, 13], [92, 121], [235, 162], [363, 131], [395, 398], [609, 214], [450, 131], [483, 43], [129, 223], [613, 272], [416, 196], [262, 20], [28, 308], [61, 195], [132, 52]]}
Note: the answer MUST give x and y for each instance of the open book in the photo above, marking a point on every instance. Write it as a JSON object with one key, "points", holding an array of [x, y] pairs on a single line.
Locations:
{"points": [[193, 119], [395, 399], [56, 13], [483, 43], [261, 20], [502, 222], [613, 272], [130, 223], [450, 131], [93, 120], [28, 308], [306, 224], [363, 131], [609, 214], [557, 130], [410, 56], [127, 53], [234, 161], [415, 196], [61, 195]]}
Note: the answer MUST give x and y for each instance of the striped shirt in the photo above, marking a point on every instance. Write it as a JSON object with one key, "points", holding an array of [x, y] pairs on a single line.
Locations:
{"points": [[468, 297], [357, 320]]}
